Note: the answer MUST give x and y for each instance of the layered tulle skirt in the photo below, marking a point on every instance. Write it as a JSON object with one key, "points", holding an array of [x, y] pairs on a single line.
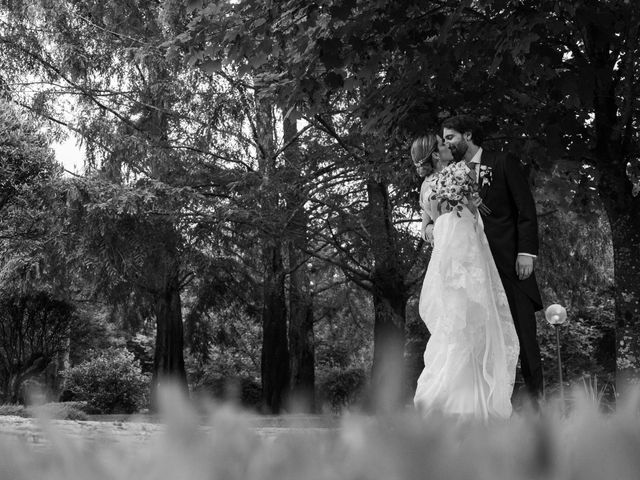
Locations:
{"points": [[470, 359]]}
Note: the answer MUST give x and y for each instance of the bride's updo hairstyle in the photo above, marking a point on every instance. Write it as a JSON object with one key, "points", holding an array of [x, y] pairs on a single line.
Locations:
{"points": [[422, 151]]}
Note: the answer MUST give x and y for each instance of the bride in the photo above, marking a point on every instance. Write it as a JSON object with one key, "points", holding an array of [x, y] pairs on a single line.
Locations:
{"points": [[470, 359]]}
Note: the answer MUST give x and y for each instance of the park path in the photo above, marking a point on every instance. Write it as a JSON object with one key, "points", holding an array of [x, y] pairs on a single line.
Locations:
{"points": [[38, 432]]}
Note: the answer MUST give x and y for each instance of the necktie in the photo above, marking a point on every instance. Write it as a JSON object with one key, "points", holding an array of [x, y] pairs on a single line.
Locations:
{"points": [[474, 168]]}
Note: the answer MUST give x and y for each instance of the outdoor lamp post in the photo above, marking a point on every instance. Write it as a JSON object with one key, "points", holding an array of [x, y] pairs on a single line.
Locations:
{"points": [[556, 315]]}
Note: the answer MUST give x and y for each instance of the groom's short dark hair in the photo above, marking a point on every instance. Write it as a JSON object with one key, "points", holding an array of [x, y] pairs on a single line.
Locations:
{"points": [[465, 123]]}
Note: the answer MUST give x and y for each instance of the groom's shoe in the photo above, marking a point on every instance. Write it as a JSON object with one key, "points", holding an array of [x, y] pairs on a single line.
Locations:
{"points": [[535, 401], [525, 400]]}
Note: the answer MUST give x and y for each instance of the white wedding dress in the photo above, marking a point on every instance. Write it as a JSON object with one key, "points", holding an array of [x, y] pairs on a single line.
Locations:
{"points": [[470, 359]]}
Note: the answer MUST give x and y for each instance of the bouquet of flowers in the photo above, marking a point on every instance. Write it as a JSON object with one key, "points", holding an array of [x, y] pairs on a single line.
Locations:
{"points": [[454, 187]]}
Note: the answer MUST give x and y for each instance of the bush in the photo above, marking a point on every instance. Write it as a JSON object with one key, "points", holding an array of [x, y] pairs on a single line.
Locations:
{"points": [[342, 388], [59, 411], [244, 391], [112, 382], [13, 410]]}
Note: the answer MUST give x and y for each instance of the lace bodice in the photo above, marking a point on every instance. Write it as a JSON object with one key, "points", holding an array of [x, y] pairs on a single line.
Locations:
{"points": [[431, 206]]}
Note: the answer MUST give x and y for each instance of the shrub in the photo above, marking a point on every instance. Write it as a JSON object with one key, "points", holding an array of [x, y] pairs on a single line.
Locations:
{"points": [[59, 411], [111, 382], [13, 410], [342, 388], [244, 391]]}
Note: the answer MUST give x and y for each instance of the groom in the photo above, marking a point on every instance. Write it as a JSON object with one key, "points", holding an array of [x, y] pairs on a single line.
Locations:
{"points": [[511, 226]]}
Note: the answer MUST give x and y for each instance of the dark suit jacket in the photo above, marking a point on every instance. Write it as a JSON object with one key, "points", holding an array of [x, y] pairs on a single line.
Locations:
{"points": [[512, 227]]}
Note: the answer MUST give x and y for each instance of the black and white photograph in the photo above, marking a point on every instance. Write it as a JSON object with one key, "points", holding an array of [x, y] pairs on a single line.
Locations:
{"points": [[319, 240]]}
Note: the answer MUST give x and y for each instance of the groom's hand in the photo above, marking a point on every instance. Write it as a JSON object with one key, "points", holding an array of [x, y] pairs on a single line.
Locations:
{"points": [[477, 201], [524, 266]]}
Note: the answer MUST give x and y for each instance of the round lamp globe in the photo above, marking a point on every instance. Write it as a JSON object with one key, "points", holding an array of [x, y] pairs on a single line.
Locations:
{"points": [[556, 314]]}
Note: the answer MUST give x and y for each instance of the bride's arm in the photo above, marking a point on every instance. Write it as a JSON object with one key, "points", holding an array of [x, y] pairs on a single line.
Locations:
{"points": [[426, 229]]}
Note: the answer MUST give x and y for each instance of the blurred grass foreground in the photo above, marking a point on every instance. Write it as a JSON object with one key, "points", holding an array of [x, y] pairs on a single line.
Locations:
{"points": [[583, 443]]}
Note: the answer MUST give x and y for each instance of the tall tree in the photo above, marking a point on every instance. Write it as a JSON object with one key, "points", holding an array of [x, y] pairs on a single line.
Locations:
{"points": [[308, 65], [300, 331], [35, 317], [134, 118], [275, 348], [572, 73]]}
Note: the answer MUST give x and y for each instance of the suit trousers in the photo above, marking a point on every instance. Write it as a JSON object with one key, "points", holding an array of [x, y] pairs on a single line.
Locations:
{"points": [[524, 318]]}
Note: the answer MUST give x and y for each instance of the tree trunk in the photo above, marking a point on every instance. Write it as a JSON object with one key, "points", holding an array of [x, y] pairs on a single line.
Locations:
{"points": [[168, 364], [623, 212], [623, 209], [169, 349], [625, 228], [54, 381], [32, 368], [6, 382], [301, 338], [388, 386], [388, 389], [275, 352], [164, 289]]}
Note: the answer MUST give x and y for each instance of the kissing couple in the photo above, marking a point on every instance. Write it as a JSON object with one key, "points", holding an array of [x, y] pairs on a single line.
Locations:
{"points": [[479, 294]]}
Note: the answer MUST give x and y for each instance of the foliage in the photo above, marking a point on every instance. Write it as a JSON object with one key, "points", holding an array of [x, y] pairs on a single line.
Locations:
{"points": [[142, 347], [12, 409], [26, 159], [35, 330], [344, 341], [36, 316], [587, 347], [549, 79], [60, 411], [95, 330], [179, 176], [575, 64], [111, 381], [28, 171], [121, 239], [342, 389], [343, 326], [240, 390], [224, 360], [134, 219], [228, 341], [286, 58], [55, 411], [575, 234], [224, 339], [304, 53]]}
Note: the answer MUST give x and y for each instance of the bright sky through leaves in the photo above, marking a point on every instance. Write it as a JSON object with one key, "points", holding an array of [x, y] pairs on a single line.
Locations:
{"points": [[69, 155]]}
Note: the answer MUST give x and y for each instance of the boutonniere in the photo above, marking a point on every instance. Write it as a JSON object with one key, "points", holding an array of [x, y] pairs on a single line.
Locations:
{"points": [[485, 176]]}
